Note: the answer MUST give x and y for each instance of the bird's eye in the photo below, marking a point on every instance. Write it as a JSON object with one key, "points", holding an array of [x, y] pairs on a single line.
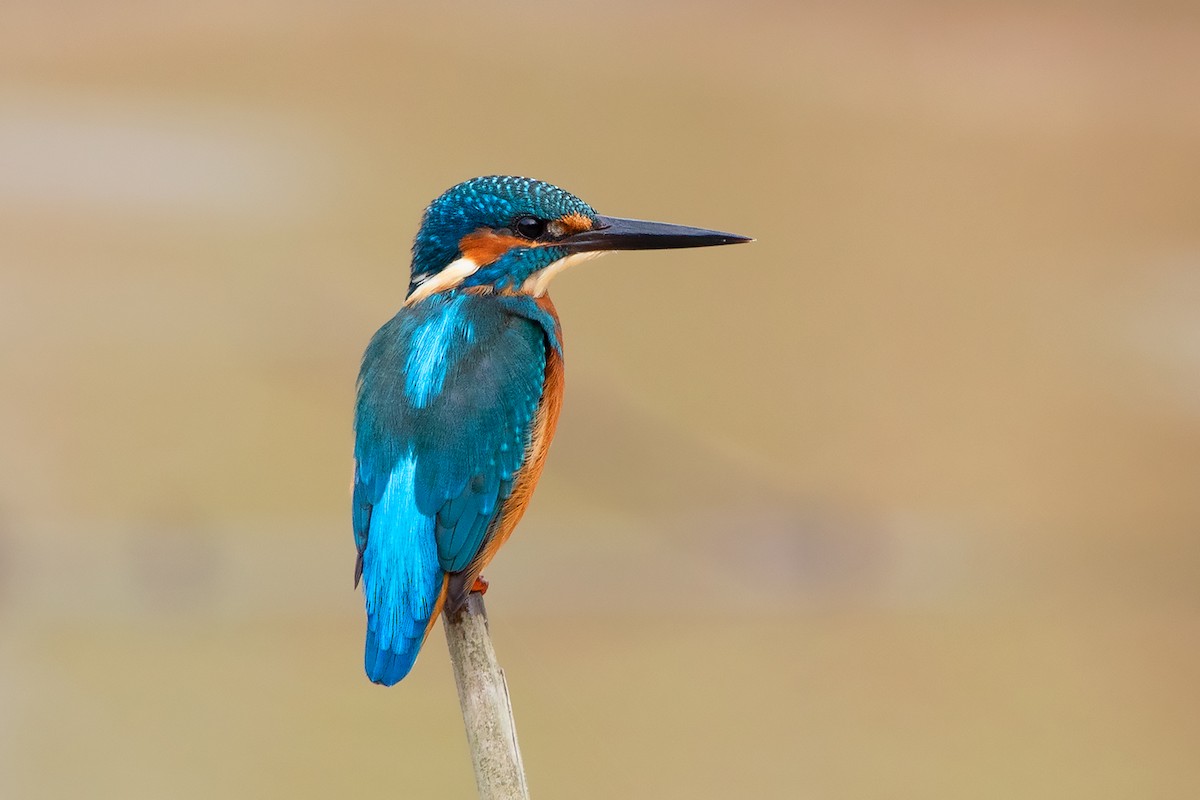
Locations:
{"points": [[530, 227]]}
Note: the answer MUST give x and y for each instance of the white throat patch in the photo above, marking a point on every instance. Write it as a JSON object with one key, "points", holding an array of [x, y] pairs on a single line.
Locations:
{"points": [[537, 283], [454, 273]]}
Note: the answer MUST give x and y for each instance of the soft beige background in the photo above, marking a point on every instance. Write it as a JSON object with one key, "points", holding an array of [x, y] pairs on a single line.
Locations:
{"points": [[899, 502]]}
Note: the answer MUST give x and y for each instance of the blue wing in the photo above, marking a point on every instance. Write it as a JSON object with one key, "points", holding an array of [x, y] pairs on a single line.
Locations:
{"points": [[447, 396]]}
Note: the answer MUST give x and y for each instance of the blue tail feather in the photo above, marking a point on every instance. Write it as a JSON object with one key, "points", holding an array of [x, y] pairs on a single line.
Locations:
{"points": [[388, 665], [401, 579]]}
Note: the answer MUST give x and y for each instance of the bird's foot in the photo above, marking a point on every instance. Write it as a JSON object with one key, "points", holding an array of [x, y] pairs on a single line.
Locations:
{"points": [[480, 585]]}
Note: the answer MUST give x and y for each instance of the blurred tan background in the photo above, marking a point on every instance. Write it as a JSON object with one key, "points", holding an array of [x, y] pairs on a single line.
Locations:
{"points": [[899, 502]]}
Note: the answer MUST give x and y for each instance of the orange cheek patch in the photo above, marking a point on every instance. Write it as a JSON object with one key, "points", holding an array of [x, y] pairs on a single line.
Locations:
{"points": [[485, 247]]}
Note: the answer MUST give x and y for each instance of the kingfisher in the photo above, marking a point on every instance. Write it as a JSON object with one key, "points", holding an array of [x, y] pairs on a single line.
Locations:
{"points": [[459, 396]]}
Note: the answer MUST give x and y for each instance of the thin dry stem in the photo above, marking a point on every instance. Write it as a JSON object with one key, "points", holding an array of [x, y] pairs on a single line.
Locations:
{"points": [[486, 707]]}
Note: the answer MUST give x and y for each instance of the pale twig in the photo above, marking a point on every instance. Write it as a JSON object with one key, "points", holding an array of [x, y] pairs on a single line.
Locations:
{"points": [[486, 708]]}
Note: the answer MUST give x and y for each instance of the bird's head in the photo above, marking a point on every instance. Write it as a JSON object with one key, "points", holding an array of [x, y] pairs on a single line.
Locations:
{"points": [[511, 234]]}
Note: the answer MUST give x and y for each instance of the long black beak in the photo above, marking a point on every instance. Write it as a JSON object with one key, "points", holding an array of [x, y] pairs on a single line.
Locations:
{"points": [[614, 233]]}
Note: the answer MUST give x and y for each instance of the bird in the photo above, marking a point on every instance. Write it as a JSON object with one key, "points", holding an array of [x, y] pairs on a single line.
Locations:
{"points": [[459, 394]]}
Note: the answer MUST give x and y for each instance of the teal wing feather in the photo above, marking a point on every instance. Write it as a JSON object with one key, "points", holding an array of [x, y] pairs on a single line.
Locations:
{"points": [[471, 440]]}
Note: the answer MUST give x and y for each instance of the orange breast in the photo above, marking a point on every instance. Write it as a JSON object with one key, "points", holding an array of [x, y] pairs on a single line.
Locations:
{"points": [[544, 425]]}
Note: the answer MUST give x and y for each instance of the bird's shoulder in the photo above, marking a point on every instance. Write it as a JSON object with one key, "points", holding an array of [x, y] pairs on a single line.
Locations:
{"points": [[459, 322]]}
